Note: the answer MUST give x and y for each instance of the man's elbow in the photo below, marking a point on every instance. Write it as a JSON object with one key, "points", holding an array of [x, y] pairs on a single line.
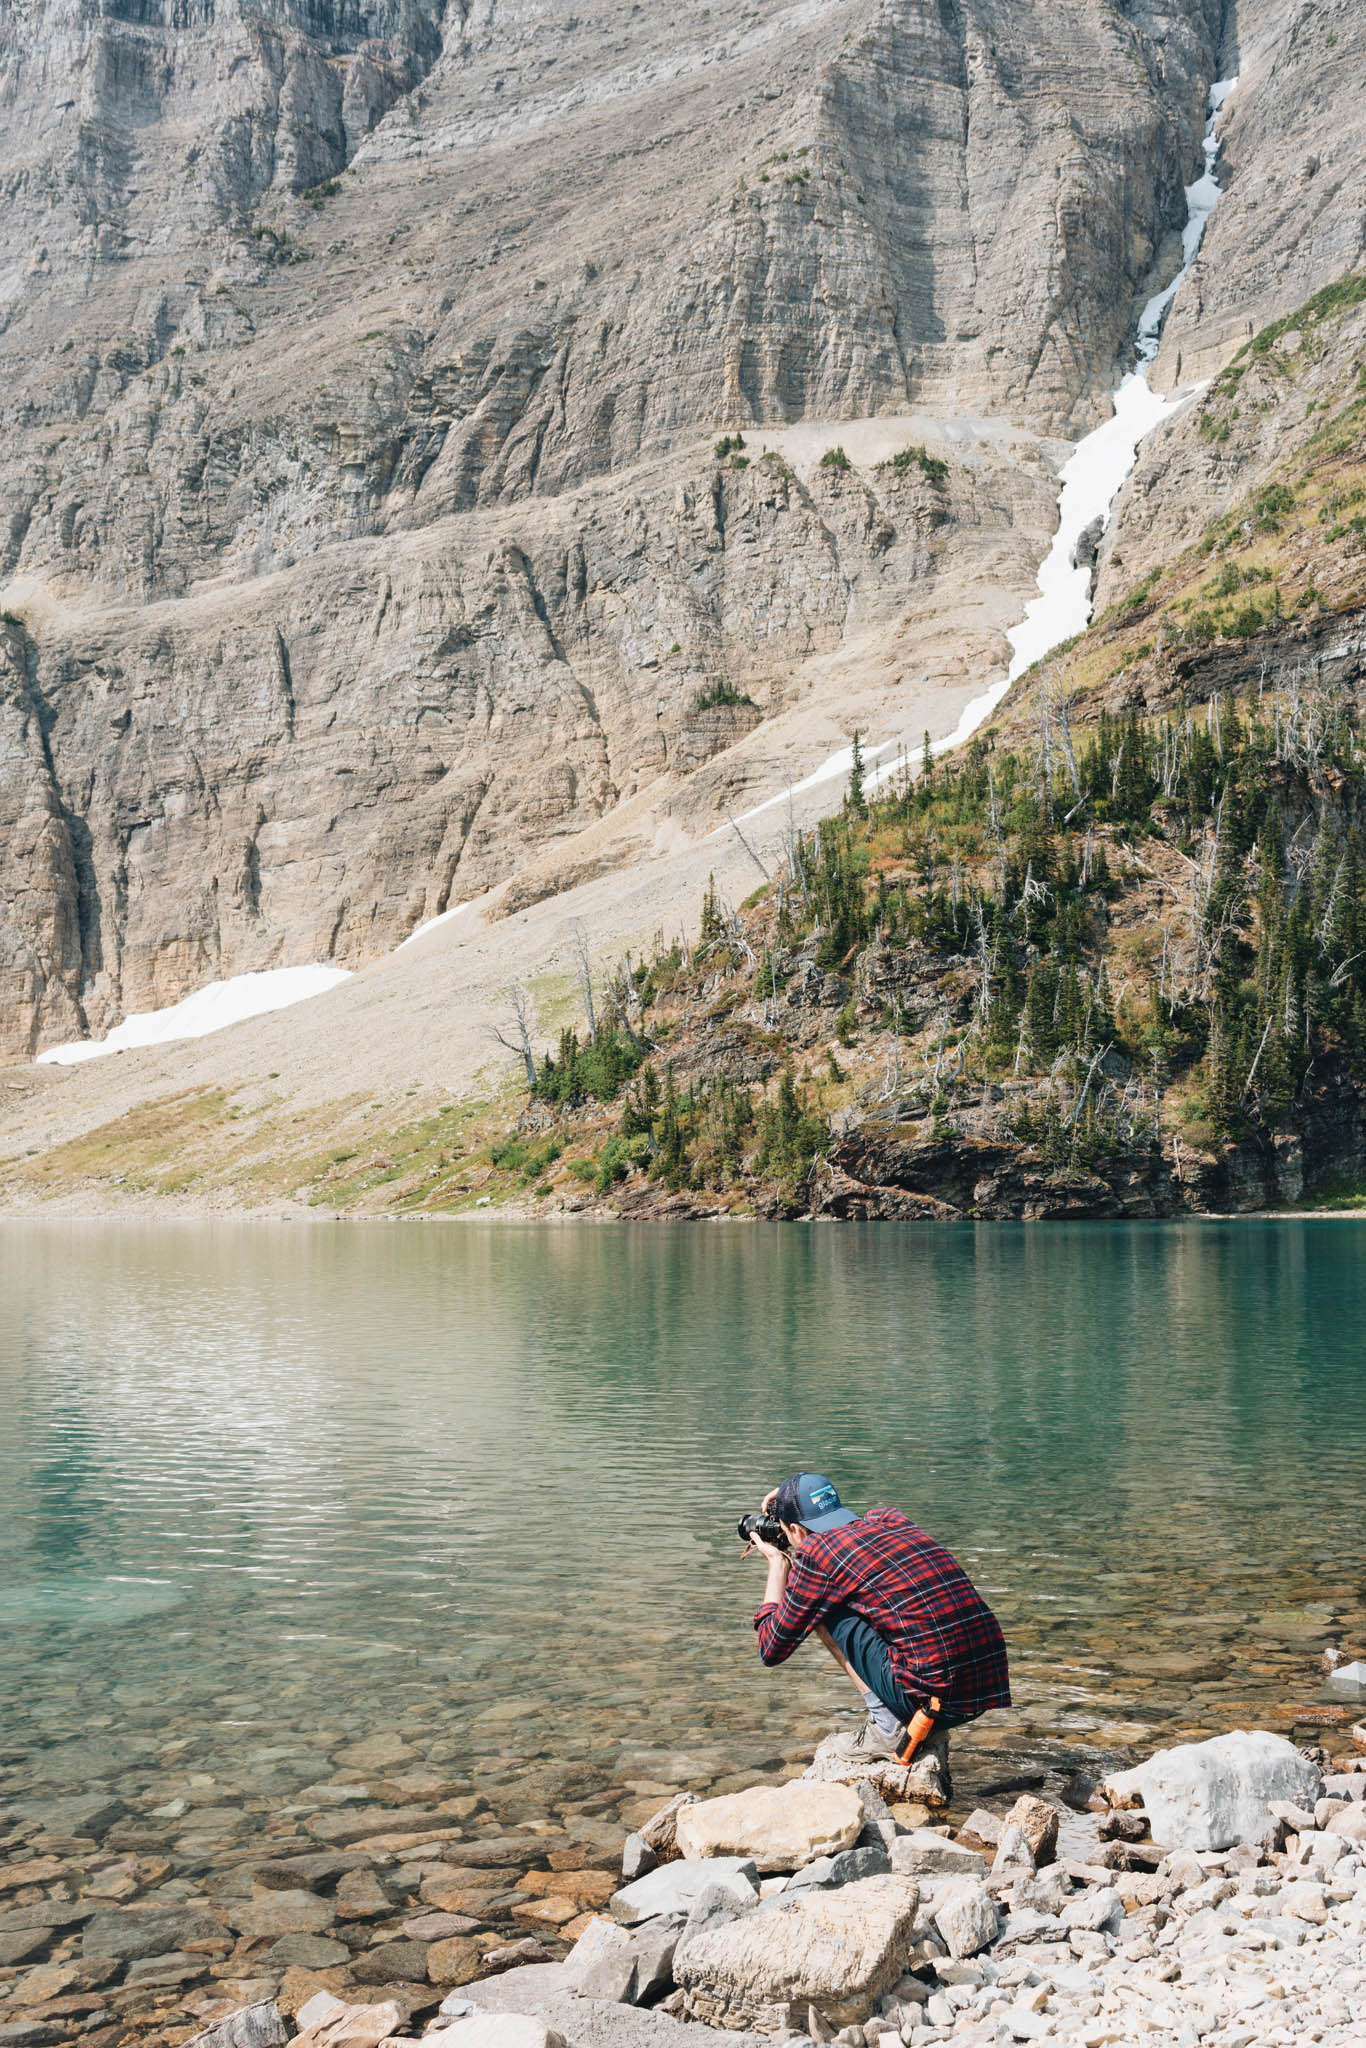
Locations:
{"points": [[774, 1653]]}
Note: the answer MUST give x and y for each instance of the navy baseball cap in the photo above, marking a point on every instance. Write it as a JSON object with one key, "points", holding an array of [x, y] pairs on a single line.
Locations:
{"points": [[809, 1498]]}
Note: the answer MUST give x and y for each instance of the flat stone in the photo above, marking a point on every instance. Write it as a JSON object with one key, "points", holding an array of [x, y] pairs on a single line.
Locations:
{"points": [[55, 1980], [328, 2022], [48, 1915], [674, 1886], [454, 1959], [837, 1952], [83, 1813], [549, 1913], [924, 1853], [585, 1887], [1349, 1822], [252, 2026], [778, 1827], [1348, 1682], [376, 1753], [1211, 1795], [361, 1896], [439, 1926], [350, 1826], [392, 1962], [19, 1947], [305, 1952], [498, 2030], [495, 1852], [279, 1913], [160, 1971], [308, 1873], [138, 1931]]}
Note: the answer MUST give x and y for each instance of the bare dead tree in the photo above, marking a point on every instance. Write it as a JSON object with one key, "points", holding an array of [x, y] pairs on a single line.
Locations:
{"points": [[1065, 729], [579, 939], [521, 1043], [749, 849]]}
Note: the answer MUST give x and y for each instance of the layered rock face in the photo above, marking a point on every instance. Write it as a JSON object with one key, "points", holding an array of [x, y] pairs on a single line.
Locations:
{"points": [[359, 367]]}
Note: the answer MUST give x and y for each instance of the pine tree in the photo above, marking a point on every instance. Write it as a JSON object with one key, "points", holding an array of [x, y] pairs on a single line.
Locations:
{"points": [[855, 799]]}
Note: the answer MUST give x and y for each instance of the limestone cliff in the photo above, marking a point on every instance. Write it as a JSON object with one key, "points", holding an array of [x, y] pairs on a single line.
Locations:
{"points": [[361, 364]]}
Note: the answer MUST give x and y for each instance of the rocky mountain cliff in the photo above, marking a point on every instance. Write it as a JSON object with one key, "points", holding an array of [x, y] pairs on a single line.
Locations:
{"points": [[363, 532]]}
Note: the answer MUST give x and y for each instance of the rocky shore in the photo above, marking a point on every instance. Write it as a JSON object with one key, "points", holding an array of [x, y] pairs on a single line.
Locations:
{"points": [[1215, 1893]]}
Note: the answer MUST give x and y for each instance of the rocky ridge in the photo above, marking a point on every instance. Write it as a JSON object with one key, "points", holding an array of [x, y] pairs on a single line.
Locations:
{"points": [[329, 378]]}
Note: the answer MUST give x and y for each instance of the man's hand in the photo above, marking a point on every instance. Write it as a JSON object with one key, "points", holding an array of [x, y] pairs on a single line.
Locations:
{"points": [[767, 1502], [779, 1563]]}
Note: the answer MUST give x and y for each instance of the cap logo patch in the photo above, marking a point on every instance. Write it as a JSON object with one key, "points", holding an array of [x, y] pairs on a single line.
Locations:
{"points": [[824, 1499]]}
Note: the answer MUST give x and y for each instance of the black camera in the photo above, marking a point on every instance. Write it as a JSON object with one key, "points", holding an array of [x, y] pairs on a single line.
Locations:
{"points": [[767, 1528]]}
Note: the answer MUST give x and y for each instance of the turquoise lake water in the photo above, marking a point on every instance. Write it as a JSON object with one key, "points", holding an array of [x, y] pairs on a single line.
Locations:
{"points": [[268, 1488]]}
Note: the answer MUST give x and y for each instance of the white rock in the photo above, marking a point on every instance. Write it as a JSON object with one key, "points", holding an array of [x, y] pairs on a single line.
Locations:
{"points": [[1210, 1795], [1094, 1911], [1304, 1902], [967, 1920], [827, 1953], [1013, 1853], [924, 1853], [778, 1827], [602, 1962], [497, 2030], [675, 1886]]}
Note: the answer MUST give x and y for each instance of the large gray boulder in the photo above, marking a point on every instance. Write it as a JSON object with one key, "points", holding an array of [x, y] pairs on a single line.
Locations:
{"points": [[674, 1886], [1213, 1795], [780, 1827], [837, 1952]]}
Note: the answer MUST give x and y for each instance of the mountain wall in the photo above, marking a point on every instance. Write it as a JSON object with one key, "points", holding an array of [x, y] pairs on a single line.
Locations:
{"points": [[361, 532]]}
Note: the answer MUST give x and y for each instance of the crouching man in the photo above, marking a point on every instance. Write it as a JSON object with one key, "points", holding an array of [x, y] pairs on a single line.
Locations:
{"points": [[892, 1607]]}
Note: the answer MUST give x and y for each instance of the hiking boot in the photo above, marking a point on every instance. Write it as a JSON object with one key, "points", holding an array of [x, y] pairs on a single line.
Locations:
{"points": [[871, 1742]]}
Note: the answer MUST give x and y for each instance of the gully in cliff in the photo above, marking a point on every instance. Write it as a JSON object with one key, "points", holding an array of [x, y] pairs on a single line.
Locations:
{"points": [[894, 1609]]}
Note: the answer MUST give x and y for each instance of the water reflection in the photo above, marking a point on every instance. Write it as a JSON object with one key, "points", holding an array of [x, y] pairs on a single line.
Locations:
{"points": [[270, 1462]]}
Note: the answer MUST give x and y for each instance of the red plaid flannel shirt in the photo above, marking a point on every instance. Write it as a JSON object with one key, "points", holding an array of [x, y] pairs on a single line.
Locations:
{"points": [[942, 1638]]}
